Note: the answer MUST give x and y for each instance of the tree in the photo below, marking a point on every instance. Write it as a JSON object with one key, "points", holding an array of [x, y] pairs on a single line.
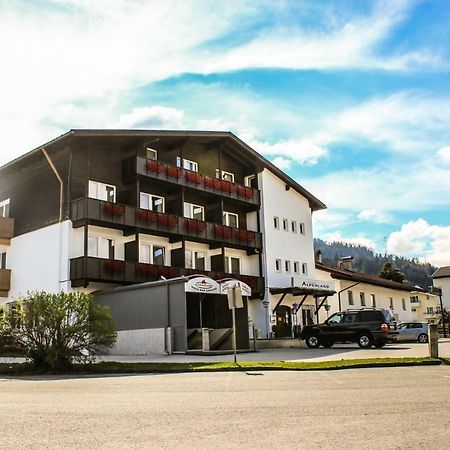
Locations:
{"points": [[56, 330], [390, 272]]}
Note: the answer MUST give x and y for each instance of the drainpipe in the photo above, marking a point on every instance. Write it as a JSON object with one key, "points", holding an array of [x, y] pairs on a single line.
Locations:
{"points": [[61, 200], [343, 290]]}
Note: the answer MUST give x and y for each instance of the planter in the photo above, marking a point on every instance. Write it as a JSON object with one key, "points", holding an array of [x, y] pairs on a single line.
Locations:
{"points": [[152, 166], [191, 177], [162, 168], [113, 209], [174, 172], [146, 216], [208, 182]]}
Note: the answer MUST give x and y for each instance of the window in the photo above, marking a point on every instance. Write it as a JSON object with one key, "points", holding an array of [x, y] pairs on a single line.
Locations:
{"points": [[335, 319], [152, 202], [413, 309], [152, 153], [250, 181], [232, 265], [101, 191], [4, 208], [304, 269], [152, 254], [187, 164], [230, 219], [296, 267], [374, 302], [414, 299], [362, 298], [278, 265], [287, 266], [194, 211], [430, 310], [276, 223], [301, 227], [391, 303], [285, 225], [403, 304], [100, 247], [3, 260], [350, 318], [350, 298], [195, 260], [227, 176], [294, 226]]}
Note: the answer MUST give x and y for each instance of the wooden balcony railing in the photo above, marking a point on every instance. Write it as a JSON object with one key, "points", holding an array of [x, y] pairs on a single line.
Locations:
{"points": [[97, 211], [5, 282], [195, 180], [6, 230], [85, 269]]}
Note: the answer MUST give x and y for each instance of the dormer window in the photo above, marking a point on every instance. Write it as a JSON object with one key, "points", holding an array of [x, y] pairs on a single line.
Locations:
{"points": [[101, 191], [187, 164], [227, 176], [152, 154], [4, 208]]}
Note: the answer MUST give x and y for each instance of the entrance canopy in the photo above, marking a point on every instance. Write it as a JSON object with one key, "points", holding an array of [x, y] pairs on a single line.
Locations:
{"points": [[206, 285]]}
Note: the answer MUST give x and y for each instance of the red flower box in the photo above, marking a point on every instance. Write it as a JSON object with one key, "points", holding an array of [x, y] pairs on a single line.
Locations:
{"points": [[162, 168], [114, 266], [227, 232], [114, 210], [146, 216], [226, 186], [191, 177], [172, 221], [196, 226], [233, 187], [201, 226], [163, 219], [174, 172], [241, 191], [236, 233], [218, 231], [199, 178], [217, 184], [152, 165], [209, 182], [248, 192]]}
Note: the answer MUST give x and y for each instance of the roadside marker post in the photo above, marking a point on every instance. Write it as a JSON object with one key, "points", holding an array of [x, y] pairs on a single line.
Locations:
{"points": [[433, 336], [234, 301]]}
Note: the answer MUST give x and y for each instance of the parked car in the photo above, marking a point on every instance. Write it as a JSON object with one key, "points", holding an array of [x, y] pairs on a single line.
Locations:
{"points": [[367, 327], [413, 331]]}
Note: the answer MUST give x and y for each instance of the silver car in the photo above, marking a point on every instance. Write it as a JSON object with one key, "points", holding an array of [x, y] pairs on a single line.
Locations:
{"points": [[413, 331]]}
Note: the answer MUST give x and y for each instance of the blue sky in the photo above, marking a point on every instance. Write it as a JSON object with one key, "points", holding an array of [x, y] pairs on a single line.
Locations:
{"points": [[351, 98]]}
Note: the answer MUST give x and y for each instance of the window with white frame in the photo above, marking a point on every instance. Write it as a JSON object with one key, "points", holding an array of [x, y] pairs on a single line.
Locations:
{"points": [[374, 301], [304, 268], [227, 176], [195, 260], [350, 298], [152, 202], [4, 208], [152, 154], [101, 247], [102, 191], [152, 254], [296, 267], [187, 164], [230, 219], [287, 266], [391, 303], [362, 298], [301, 227], [278, 265], [3, 260], [285, 225], [192, 211], [250, 181], [232, 264], [294, 226], [276, 223]]}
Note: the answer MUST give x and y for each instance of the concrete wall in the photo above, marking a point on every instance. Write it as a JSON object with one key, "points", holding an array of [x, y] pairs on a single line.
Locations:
{"points": [[140, 342]]}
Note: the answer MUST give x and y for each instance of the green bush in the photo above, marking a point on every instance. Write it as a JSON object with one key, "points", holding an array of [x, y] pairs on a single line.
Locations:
{"points": [[57, 330]]}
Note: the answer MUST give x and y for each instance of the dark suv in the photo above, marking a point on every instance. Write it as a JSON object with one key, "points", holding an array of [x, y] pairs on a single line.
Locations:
{"points": [[367, 327]]}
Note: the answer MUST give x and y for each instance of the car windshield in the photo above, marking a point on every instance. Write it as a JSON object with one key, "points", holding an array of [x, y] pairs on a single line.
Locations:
{"points": [[401, 326], [335, 318]]}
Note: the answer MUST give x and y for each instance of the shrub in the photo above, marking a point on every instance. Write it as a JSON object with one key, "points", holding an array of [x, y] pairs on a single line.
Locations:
{"points": [[56, 330]]}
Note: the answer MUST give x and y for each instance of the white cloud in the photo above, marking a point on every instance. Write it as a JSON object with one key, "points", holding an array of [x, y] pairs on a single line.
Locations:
{"points": [[281, 163], [418, 238], [374, 216], [155, 117], [444, 155]]}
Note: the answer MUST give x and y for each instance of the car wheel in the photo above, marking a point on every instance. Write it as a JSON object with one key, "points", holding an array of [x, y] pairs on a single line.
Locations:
{"points": [[422, 338], [380, 344], [365, 340], [327, 344], [312, 341]]}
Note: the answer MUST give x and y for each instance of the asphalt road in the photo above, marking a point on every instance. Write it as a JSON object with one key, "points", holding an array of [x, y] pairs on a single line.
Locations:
{"points": [[358, 408]]}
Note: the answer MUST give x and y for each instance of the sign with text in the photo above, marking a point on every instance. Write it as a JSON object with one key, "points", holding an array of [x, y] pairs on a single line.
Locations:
{"points": [[307, 283], [203, 285], [245, 288]]}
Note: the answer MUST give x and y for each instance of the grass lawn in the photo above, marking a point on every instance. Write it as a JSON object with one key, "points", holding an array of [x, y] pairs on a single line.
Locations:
{"points": [[117, 367]]}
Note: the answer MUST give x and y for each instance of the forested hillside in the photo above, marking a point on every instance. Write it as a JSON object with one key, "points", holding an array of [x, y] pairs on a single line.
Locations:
{"points": [[365, 260]]}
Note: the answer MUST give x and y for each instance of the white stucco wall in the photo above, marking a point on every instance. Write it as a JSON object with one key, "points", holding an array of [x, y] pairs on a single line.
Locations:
{"points": [[285, 245], [444, 284]]}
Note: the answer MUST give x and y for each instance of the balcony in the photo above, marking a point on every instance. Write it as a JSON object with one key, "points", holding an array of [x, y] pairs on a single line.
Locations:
{"points": [[85, 269], [194, 180], [123, 216], [6, 230], [5, 282]]}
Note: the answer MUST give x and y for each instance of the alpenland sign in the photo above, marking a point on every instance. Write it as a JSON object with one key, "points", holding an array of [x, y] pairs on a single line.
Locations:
{"points": [[317, 284]]}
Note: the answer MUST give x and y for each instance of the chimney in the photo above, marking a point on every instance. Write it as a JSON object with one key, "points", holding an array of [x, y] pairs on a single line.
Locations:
{"points": [[319, 256], [346, 263]]}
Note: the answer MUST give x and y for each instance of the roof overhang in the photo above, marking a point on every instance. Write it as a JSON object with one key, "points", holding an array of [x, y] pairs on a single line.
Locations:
{"points": [[296, 291]]}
